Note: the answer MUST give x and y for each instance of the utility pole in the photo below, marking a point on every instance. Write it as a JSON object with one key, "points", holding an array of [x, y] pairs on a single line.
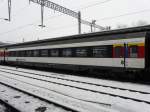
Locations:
{"points": [[42, 14], [64, 10], [93, 25], [79, 22], [9, 11]]}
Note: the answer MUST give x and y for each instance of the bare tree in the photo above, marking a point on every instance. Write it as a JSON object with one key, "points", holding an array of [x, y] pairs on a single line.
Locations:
{"points": [[121, 26], [140, 23]]}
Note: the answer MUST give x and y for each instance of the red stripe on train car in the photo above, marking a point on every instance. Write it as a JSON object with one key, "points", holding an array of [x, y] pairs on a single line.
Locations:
{"points": [[141, 51], [113, 52], [2, 54]]}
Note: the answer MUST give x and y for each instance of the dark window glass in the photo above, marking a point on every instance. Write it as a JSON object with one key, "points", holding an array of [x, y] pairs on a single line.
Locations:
{"points": [[101, 52], [36, 53], [133, 51], [14, 53], [119, 52], [29, 53], [44, 53], [66, 52], [11, 53], [21, 53], [54, 52], [81, 52], [17, 53]]}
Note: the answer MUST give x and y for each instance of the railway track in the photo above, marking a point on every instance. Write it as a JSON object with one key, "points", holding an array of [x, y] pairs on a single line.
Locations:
{"points": [[73, 80], [85, 106], [82, 88], [8, 107], [67, 109], [16, 100]]}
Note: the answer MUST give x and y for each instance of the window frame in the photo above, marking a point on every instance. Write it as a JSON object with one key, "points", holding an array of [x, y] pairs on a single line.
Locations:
{"points": [[58, 53], [46, 53], [65, 51], [120, 52], [133, 55], [106, 51], [79, 52]]}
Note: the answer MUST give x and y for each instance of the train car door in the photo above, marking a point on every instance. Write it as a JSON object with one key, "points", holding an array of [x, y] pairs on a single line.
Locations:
{"points": [[2, 55], [125, 54], [118, 54], [147, 50]]}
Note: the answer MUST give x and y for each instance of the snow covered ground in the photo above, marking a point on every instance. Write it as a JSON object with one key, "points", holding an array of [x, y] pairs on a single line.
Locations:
{"points": [[24, 102], [117, 104], [2, 108], [126, 85], [135, 95], [51, 95]]}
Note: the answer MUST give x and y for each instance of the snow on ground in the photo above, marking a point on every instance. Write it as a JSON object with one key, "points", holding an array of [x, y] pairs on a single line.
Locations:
{"points": [[117, 103], [2, 108], [24, 102], [80, 94], [126, 85], [87, 86], [55, 97]]}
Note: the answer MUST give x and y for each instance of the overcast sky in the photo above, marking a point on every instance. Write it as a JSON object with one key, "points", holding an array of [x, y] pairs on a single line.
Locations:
{"points": [[26, 18]]}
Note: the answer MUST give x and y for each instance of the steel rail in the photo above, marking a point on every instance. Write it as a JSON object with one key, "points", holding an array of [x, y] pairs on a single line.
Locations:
{"points": [[110, 94]]}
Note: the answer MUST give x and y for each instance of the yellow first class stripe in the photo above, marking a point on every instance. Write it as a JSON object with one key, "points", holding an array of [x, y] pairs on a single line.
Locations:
{"points": [[115, 45], [138, 44], [130, 44]]}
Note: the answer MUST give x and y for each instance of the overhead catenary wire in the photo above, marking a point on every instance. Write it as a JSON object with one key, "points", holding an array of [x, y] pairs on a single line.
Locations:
{"points": [[24, 26], [106, 18], [18, 28], [21, 27], [126, 14], [85, 7], [13, 14], [94, 4], [88, 6]]}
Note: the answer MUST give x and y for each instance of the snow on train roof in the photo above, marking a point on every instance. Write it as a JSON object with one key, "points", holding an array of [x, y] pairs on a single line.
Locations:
{"points": [[87, 35]]}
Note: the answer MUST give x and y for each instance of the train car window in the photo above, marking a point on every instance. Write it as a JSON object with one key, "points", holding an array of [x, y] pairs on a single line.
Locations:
{"points": [[133, 51], [17, 53], [36, 53], [1, 54], [100, 52], [54, 52], [21, 53], [66, 52], [7, 53], [119, 52], [44, 53], [29, 53], [13, 53], [81, 52]]}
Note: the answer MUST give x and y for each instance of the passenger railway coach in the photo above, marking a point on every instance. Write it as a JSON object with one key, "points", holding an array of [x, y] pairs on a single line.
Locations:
{"points": [[124, 50]]}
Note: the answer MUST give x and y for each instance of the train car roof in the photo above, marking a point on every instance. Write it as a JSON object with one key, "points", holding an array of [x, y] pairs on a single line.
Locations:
{"points": [[87, 35]]}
